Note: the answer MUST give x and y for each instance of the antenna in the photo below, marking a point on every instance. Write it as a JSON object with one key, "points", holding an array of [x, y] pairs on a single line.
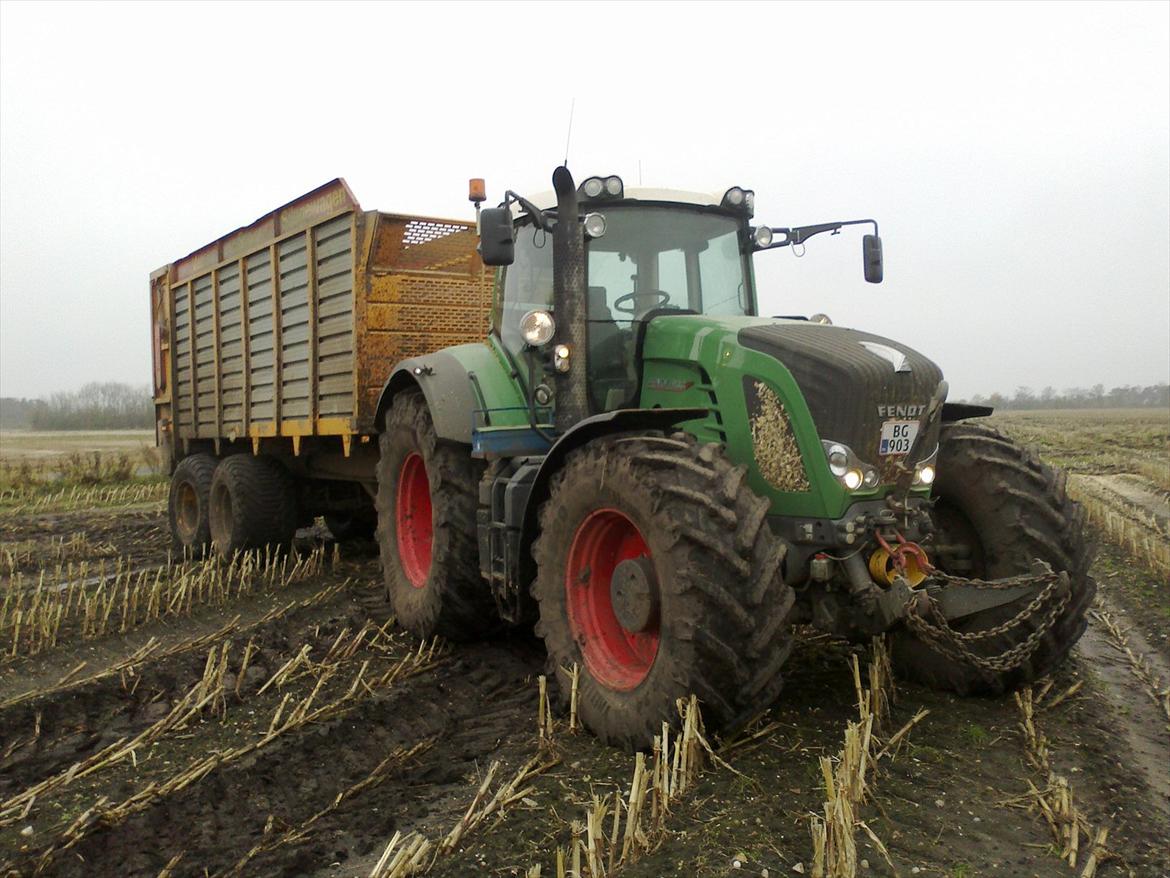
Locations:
{"points": [[569, 136]]}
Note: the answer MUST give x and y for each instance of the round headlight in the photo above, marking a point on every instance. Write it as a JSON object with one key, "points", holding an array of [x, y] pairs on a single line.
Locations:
{"points": [[763, 236], [750, 200], [594, 225], [537, 327], [735, 196], [871, 478], [561, 358], [853, 479], [613, 185], [822, 319], [838, 460], [926, 475], [593, 187]]}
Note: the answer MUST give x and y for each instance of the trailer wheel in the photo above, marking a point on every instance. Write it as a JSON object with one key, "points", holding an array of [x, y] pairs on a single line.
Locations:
{"points": [[659, 577], [253, 504], [1005, 507], [188, 505], [428, 494]]}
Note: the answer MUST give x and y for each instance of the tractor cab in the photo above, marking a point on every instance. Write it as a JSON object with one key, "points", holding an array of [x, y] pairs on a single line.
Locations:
{"points": [[648, 253]]}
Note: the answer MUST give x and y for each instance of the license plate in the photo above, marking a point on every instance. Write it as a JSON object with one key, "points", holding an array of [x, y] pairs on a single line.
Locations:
{"points": [[898, 437]]}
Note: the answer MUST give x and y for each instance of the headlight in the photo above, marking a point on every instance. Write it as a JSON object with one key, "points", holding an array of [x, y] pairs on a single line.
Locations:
{"points": [[734, 196], [838, 460], [594, 225], [561, 358], [848, 469], [613, 186], [925, 470], [763, 236], [537, 328], [593, 187]]}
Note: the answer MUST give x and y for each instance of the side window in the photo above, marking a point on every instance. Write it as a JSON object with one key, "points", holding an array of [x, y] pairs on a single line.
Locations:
{"points": [[672, 276], [528, 283], [721, 273]]}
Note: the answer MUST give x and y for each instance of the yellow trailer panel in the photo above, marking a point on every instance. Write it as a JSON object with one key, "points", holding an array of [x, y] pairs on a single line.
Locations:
{"points": [[289, 327]]}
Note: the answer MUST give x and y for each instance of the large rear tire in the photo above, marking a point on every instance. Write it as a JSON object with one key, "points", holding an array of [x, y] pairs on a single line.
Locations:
{"points": [[189, 505], [428, 493], [659, 577], [1007, 508], [253, 505]]}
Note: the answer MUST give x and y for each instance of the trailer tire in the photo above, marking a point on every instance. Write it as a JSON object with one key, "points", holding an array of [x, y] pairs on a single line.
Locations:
{"points": [[188, 505], [428, 495], [1011, 508], [253, 505], [701, 583]]}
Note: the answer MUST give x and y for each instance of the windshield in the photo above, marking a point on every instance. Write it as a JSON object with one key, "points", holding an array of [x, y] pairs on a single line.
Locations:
{"points": [[668, 258]]}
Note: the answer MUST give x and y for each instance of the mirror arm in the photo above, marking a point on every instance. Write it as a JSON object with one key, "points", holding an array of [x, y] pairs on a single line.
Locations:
{"points": [[538, 215], [800, 234]]}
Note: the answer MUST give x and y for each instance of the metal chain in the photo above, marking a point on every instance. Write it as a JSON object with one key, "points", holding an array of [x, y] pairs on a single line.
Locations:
{"points": [[940, 636]]}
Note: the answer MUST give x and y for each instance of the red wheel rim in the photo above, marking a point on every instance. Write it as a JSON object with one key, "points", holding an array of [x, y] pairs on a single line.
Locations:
{"points": [[615, 657], [413, 520]]}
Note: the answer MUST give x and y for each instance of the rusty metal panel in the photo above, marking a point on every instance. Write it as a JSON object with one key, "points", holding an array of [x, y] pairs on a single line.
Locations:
{"points": [[425, 288], [311, 208], [182, 347], [261, 377], [333, 251], [205, 389], [294, 329], [291, 325], [231, 350]]}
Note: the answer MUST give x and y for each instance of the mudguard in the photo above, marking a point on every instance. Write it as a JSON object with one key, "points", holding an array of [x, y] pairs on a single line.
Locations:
{"points": [[456, 382], [587, 430]]}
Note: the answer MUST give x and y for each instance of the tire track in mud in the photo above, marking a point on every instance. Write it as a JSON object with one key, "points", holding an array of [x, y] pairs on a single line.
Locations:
{"points": [[470, 707]]}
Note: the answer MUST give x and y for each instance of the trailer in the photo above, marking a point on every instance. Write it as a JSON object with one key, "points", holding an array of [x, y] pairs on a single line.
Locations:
{"points": [[275, 341]]}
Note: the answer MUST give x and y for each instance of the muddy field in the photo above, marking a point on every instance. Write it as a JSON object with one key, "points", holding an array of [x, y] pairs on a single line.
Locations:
{"points": [[269, 719]]}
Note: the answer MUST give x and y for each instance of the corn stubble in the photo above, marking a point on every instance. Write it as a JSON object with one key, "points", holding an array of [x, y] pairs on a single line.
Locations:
{"points": [[85, 602]]}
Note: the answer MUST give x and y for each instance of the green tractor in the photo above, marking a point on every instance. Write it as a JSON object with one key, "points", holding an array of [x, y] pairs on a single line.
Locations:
{"points": [[665, 482]]}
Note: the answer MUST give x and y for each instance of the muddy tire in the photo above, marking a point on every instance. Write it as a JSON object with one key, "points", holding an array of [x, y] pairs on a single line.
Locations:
{"points": [[1008, 508], [189, 505], [253, 505], [663, 534], [428, 493]]}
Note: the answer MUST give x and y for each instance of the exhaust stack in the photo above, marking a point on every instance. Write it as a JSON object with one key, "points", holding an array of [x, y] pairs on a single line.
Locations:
{"points": [[569, 306]]}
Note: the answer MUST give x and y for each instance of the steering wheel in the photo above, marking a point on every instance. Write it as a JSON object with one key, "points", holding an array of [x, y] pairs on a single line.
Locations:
{"points": [[663, 298]]}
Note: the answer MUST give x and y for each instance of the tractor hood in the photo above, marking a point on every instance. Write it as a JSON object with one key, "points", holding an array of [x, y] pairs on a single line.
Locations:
{"points": [[852, 382]]}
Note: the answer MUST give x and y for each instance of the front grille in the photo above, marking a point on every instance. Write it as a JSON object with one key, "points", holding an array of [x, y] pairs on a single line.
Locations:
{"points": [[849, 389]]}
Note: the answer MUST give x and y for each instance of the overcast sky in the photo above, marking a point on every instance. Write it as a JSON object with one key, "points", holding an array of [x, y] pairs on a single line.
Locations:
{"points": [[1017, 157]]}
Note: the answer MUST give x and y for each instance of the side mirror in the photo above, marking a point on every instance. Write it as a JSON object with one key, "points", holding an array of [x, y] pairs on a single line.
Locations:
{"points": [[496, 244], [871, 255]]}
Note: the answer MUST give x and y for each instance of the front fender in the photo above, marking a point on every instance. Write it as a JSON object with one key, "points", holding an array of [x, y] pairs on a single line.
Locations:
{"points": [[587, 430], [456, 383]]}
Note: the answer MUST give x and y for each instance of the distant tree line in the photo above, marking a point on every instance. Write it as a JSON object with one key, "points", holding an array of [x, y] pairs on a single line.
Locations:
{"points": [[1095, 397], [99, 405]]}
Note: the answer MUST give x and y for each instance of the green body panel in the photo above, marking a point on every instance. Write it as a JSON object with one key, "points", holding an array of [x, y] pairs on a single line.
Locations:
{"points": [[698, 360], [499, 392]]}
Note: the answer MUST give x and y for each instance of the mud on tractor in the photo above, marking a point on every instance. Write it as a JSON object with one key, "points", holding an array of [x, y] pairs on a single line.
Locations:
{"points": [[664, 482]]}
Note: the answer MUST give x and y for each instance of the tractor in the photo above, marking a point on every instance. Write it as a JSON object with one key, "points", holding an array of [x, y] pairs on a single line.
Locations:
{"points": [[664, 483]]}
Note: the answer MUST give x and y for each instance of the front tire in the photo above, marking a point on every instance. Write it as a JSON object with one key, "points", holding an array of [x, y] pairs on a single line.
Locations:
{"points": [[428, 492], [1007, 508], [659, 577]]}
